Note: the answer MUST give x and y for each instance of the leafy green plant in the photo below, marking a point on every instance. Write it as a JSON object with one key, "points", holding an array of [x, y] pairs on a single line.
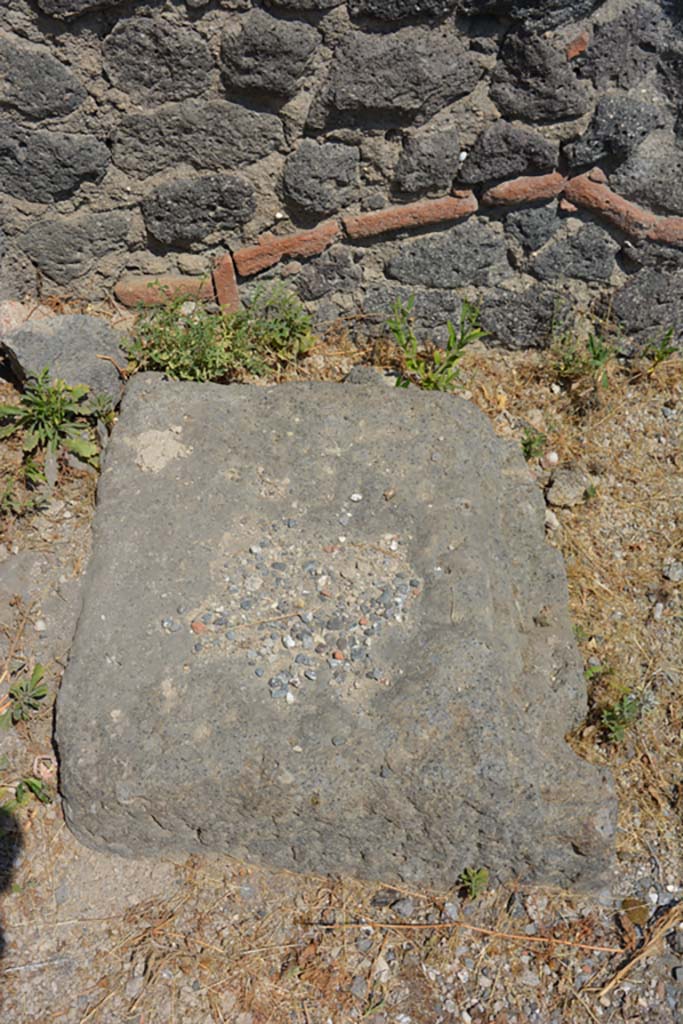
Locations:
{"points": [[27, 477], [533, 443], [432, 368], [50, 415], [272, 331], [617, 718], [24, 699], [577, 361], [16, 796], [659, 349], [474, 881]]}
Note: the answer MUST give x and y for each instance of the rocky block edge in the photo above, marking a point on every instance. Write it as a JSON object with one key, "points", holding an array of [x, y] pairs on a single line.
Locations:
{"points": [[589, 191]]}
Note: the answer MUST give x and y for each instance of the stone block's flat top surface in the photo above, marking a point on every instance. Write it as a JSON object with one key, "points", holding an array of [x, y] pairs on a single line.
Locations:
{"points": [[322, 630]]}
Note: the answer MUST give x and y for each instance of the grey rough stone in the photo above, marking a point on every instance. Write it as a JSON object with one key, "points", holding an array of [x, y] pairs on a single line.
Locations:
{"points": [[588, 255], [44, 165], [532, 81], [336, 270], [432, 309], [72, 8], [65, 248], [395, 10], [322, 177], [189, 209], [308, 5], [267, 54], [548, 14], [622, 52], [210, 136], [69, 346], [653, 175], [618, 125], [532, 228], [519, 320], [156, 60], [410, 72], [429, 160], [461, 255], [567, 488], [648, 304], [480, 692], [503, 151], [35, 83]]}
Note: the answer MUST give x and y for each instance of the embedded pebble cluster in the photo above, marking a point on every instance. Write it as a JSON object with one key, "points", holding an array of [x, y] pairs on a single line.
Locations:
{"points": [[299, 618]]}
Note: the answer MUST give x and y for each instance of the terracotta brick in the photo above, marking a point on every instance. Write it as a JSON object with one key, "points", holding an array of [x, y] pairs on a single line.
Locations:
{"points": [[578, 44], [153, 291], [411, 215], [667, 229], [525, 189], [270, 248], [593, 195], [567, 207], [225, 283]]}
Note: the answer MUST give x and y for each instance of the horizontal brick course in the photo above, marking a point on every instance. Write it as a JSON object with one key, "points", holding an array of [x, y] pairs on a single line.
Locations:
{"points": [[668, 230], [153, 291], [594, 195], [396, 218], [526, 189], [225, 283], [270, 249]]}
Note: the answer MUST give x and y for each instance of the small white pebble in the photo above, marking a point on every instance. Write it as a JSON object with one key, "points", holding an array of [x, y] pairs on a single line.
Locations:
{"points": [[549, 460], [40, 626], [555, 388], [290, 698], [462, 156], [393, 545], [356, 496], [658, 610]]}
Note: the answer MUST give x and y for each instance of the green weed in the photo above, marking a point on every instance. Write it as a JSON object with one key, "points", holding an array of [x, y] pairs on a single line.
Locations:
{"points": [[577, 361], [273, 331], [51, 415], [26, 479], [474, 881], [24, 699], [432, 368], [618, 717], [18, 795], [533, 443], [657, 350]]}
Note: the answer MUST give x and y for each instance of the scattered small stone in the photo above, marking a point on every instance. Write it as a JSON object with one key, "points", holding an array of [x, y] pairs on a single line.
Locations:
{"points": [[673, 571], [359, 988], [40, 626], [403, 907], [356, 497]]}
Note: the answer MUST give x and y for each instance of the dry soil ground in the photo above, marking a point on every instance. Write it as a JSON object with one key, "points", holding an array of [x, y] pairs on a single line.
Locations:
{"points": [[91, 938]]}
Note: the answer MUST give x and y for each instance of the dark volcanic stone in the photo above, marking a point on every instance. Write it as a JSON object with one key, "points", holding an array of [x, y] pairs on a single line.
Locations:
{"points": [[394, 10], [532, 81], [65, 248], [521, 320], [479, 693], [267, 54], [618, 125], [44, 165], [429, 161], [35, 83], [503, 151], [308, 5], [649, 304], [538, 14], [653, 175], [210, 136], [623, 51], [156, 60], [69, 346], [190, 209], [411, 72], [588, 255], [322, 177], [533, 227], [72, 8], [462, 255], [336, 270]]}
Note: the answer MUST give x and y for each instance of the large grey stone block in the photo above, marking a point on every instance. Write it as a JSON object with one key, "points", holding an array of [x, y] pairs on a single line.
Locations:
{"points": [[156, 61], [330, 638]]}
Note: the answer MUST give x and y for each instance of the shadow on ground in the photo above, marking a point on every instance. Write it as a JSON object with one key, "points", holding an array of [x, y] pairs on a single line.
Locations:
{"points": [[11, 844]]}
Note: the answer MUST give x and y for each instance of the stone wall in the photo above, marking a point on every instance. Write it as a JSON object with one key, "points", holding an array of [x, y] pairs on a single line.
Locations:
{"points": [[514, 152]]}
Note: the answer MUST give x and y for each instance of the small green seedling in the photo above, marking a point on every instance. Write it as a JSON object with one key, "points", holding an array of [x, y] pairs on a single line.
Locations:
{"points": [[50, 415], [25, 699], [617, 718], [24, 790], [659, 349], [30, 476], [533, 443], [432, 368], [474, 881]]}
